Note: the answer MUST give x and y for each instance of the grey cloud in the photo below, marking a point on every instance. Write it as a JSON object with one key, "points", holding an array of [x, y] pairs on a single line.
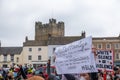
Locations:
{"points": [[97, 18]]}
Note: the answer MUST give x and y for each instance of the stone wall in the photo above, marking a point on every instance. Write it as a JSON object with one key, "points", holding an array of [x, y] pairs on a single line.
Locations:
{"points": [[43, 31]]}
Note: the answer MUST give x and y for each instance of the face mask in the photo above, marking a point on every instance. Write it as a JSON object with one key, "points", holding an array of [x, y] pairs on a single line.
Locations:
{"points": [[82, 78]]}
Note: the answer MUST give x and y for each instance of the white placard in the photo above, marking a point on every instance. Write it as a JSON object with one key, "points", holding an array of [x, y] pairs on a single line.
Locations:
{"points": [[104, 60], [75, 57]]}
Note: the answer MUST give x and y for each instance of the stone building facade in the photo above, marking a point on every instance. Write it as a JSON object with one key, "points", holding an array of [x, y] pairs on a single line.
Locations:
{"points": [[48, 34], [51, 29], [51, 33], [47, 37], [109, 43]]}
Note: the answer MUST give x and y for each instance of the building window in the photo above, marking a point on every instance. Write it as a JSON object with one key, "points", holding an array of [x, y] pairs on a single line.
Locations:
{"points": [[30, 49], [99, 46], [12, 58], [117, 46], [53, 59], [39, 57], [29, 57], [5, 58], [17, 59], [39, 49], [53, 50], [108, 46], [117, 56]]}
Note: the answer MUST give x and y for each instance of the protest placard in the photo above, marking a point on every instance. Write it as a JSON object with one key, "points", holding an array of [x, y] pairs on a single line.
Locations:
{"points": [[104, 60], [76, 57]]}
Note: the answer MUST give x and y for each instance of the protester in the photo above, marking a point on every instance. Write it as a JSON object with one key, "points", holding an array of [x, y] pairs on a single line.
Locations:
{"points": [[116, 78], [10, 75], [40, 68], [85, 76], [36, 78], [1, 77], [68, 77], [116, 73], [17, 73], [100, 76], [22, 72]]}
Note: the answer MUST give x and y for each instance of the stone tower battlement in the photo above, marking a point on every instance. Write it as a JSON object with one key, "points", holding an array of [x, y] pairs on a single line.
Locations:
{"points": [[53, 29]]}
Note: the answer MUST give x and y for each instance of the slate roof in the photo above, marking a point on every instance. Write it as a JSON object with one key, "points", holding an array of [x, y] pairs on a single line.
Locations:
{"points": [[53, 41], [10, 50], [106, 38], [63, 40], [35, 43]]}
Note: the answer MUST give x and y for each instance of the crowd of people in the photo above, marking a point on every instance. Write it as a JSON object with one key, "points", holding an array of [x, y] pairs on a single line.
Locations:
{"points": [[23, 72], [15, 72], [26, 72]]}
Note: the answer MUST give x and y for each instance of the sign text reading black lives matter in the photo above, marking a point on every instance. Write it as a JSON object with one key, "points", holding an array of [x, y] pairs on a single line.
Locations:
{"points": [[105, 59]]}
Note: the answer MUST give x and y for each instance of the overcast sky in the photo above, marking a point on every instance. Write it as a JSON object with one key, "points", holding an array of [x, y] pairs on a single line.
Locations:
{"points": [[99, 18]]}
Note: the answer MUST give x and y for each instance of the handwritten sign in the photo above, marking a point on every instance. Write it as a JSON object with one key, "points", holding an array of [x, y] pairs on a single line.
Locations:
{"points": [[75, 57], [104, 59]]}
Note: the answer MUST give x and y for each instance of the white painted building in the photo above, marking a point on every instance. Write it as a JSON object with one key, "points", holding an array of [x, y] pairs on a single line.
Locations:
{"points": [[10, 55], [35, 55], [51, 55]]}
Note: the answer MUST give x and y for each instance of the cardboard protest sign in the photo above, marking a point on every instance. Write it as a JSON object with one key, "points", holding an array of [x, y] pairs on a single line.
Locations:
{"points": [[76, 57], [104, 60]]}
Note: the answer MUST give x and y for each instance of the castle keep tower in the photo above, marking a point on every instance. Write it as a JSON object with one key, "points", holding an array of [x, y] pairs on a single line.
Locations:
{"points": [[51, 29], [51, 33]]}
